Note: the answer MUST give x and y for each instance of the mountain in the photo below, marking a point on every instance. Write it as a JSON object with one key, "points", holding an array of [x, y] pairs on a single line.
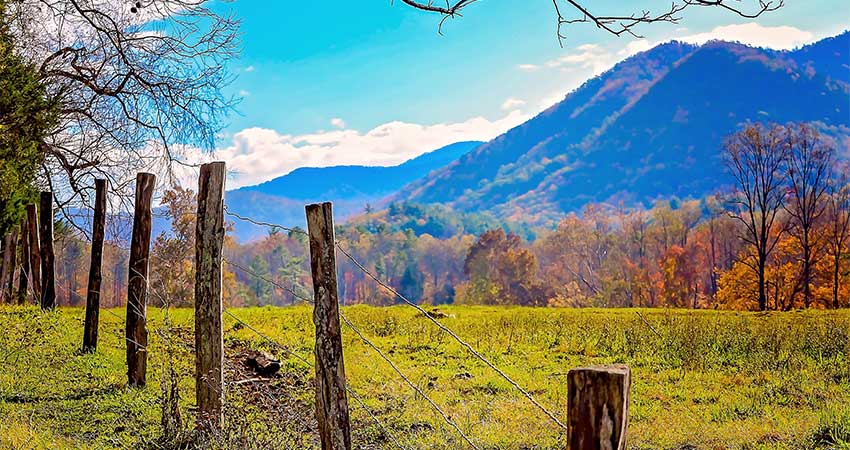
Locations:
{"points": [[651, 127], [351, 188]]}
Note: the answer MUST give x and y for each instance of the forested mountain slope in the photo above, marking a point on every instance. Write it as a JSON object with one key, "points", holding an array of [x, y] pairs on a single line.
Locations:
{"points": [[651, 127]]}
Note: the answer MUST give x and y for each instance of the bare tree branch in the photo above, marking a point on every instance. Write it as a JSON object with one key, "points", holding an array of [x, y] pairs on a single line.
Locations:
{"points": [[617, 24], [138, 84]]}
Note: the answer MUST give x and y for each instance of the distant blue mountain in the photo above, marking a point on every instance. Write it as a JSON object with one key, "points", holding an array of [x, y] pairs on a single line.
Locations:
{"points": [[351, 188], [651, 127]]}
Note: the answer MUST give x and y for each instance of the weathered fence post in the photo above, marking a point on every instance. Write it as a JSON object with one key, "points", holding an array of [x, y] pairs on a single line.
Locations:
{"points": [[95, 268], [12, 250], [137, 284], [34, 255], [331, 398], [7, 268], [23, 278], [48, 274], [598, 404], [209, 340]]}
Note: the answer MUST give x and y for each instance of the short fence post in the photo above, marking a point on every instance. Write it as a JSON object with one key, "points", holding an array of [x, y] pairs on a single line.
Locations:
{"points": [[209, 340], [48, 269], [23, 278], [331, 400], [137, 285], [7, 267], [95, 269], [12, 250], [34, 255], [598, 404]]}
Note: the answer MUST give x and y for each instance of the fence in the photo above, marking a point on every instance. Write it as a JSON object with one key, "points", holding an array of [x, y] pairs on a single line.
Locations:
{"points": [[598, 397]]}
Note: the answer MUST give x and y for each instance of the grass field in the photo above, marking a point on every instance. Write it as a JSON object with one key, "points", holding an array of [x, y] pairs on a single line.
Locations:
{"points": [[701, 379]]}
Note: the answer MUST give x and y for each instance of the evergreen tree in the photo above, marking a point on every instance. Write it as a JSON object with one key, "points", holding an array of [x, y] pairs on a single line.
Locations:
{"points": [[26, 115]]}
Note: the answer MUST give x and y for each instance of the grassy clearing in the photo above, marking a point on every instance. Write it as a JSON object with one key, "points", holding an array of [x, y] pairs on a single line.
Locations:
{"points": [[708, 379]]}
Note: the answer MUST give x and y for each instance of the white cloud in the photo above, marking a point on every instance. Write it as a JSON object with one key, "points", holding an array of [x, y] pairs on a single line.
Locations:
{"points": [[336, 122], [250, 69], [779, 38], [260, 154], [528, 67], [244, 93], [635, 47], [512, 103], [588, 56]]}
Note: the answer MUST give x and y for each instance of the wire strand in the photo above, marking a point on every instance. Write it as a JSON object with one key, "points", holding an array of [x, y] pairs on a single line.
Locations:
{"points": [[407, 380], [454, 336]]}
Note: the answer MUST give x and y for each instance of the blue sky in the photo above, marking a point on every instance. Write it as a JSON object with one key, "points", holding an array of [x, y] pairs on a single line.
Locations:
{"points": [[341, 82]]}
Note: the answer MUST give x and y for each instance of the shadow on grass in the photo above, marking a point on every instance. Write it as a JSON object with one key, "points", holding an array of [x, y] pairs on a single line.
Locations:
{"points": [[82, 394]]}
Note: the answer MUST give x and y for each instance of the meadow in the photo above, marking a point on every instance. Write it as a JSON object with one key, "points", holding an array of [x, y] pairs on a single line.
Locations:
{"points": [[701, 379]]}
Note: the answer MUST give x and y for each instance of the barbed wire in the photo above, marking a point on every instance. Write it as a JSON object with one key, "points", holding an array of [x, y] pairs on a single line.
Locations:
{"points": [[453, 335], [385, 285], [370, 344], [407, 380], [273, 226], [308, 363], [272, 282]]}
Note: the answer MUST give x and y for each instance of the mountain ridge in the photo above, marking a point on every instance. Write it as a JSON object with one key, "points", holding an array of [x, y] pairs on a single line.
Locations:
{"points": [[351, 188], [642, 130]]}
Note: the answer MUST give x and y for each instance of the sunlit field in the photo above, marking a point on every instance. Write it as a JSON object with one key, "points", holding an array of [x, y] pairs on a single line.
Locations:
{"points": [[701, 379]]}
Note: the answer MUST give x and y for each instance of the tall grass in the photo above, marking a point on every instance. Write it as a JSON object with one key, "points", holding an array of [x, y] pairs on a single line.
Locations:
{"points": [[704, 379]]}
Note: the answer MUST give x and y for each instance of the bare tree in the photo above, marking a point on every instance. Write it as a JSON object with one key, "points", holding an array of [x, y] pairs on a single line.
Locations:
{"points": [[757, 157], [838, 230], [617, 23], [809, 166], [138, 83]]}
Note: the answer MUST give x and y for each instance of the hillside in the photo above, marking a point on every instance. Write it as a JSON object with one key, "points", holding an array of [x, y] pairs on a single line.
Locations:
{"points": [[351, 188], [650, 127]]}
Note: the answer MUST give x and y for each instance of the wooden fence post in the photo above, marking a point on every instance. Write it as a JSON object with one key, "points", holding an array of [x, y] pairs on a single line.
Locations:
{"points": [[23, 278], [137, 284], [598, 404], [95, 268], [48, 269], [34, 255], [331, 398], [7, 267], [209, 339], [12, 249]]}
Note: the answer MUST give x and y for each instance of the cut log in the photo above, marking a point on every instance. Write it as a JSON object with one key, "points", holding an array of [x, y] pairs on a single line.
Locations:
{"points": [[598, 404], [262, 363]]}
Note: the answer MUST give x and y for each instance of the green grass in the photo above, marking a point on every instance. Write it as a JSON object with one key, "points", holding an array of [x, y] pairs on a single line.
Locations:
{"points": [[707, 379]]}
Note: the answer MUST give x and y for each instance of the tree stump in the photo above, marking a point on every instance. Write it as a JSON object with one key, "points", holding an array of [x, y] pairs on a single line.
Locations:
{"points": [[598, 404]]}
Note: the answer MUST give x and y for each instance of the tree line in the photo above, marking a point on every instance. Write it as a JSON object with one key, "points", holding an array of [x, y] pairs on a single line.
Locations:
{"points": [[777, 240]]}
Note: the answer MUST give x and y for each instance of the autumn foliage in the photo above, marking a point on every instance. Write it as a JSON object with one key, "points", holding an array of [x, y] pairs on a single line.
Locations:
{"points": [[779, 240]]}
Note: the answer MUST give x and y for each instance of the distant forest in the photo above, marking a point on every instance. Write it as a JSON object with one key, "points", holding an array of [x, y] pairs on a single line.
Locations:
{"points": [[779, 241]]}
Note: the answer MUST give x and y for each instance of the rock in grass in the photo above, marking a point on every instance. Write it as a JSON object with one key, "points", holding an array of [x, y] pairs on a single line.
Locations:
{"points": [[262, 363]]}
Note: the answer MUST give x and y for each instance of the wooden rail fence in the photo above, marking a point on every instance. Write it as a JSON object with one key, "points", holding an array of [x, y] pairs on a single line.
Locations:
{"points": [[598, 397]]}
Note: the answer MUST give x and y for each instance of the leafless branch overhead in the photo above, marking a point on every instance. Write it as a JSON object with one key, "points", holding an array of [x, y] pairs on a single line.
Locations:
{"points": [[573, 11]]}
